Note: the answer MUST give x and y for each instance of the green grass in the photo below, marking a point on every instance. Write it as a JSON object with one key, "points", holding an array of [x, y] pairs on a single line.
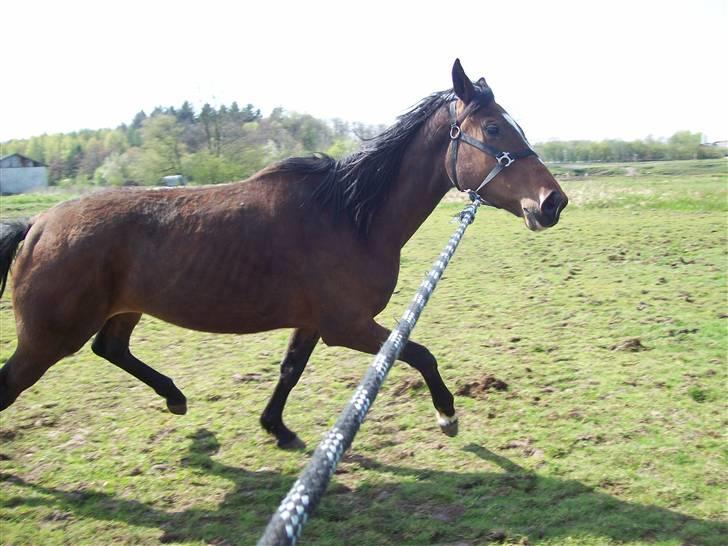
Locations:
{"points": [[28, 204], [608, 329], [716, 167], [674, 185]]}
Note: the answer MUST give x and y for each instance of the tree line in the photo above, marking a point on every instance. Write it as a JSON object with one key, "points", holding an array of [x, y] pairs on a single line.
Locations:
{"points": [[216, 144], [681, 145], [229, 142]]}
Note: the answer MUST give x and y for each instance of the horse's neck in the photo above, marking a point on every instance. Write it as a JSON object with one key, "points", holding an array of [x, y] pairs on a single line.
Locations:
{"points": [[421, 184]]}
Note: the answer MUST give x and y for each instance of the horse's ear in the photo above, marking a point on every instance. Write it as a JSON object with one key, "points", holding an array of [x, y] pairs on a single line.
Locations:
{"points": [[461, 84], [482, 83]]}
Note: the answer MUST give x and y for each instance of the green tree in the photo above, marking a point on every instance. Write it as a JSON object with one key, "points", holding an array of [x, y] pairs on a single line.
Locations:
{"points": [[162, 149], [207, 119], [186, 114], [138, 120]]}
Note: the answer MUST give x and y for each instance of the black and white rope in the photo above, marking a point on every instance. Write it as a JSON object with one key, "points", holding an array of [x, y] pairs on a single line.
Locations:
{"points": [[287, 522]]}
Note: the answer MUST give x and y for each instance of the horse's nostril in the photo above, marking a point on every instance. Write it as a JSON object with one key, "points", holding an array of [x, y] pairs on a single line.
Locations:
{"points": [[552, 206]]}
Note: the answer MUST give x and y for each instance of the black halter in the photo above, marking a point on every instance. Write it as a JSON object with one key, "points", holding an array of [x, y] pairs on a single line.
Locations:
{"points": [[504, 159]]}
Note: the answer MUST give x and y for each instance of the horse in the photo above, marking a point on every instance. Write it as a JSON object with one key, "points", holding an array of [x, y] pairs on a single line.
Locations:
{"points": [[309, 243]]}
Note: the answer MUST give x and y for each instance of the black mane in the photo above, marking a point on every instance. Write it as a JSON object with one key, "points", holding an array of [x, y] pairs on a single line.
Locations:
{"points": [[356, 186]]}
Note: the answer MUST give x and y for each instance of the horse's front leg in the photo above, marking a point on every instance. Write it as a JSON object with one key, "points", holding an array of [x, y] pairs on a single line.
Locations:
{"points": [[369, 339], [299, 350]]}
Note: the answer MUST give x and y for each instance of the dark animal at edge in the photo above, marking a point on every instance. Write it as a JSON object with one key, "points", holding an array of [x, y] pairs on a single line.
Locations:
{"points": [[310, 243]]}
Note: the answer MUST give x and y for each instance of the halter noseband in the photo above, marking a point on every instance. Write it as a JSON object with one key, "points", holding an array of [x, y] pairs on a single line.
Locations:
{"points": [[503, 159]]}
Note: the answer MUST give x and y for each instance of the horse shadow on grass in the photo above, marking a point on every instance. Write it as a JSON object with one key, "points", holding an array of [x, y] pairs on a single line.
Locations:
{"points": [[513, 506]]}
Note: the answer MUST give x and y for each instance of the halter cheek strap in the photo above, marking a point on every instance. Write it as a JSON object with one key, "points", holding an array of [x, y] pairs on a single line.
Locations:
{"points": [[503, 159]]}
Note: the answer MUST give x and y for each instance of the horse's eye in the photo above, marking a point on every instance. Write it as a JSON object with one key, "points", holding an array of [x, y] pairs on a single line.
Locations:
{"points": [[491, 129]]}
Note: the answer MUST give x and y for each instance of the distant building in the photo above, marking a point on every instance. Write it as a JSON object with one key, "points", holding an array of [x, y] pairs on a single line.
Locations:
{"points": [[20, 174], [174, 180], [719, 144]]}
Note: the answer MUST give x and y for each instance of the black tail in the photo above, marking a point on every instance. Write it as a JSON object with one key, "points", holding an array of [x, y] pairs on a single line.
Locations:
{"points": [[10, 236]]}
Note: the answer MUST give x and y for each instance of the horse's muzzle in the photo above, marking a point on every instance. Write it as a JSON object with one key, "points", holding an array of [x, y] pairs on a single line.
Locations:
{"points": [[551, 208], [546, 214]]}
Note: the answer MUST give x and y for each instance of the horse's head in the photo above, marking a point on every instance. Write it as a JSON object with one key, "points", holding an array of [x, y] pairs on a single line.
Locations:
{"points": [[489, 154]]}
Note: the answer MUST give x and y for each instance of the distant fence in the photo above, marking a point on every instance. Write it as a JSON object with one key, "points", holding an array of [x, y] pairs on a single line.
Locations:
{"points": [[287, 522]]}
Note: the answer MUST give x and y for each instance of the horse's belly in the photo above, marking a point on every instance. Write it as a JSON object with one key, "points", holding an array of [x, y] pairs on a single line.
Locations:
{"points": [[241, 314], [245, 305]]}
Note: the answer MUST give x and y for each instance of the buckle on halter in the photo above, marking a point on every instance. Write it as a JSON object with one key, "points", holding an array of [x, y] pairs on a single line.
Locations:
{"points": [[454, 131], [504, 159]]}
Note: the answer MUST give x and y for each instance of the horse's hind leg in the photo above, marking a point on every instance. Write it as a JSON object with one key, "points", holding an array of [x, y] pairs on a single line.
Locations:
{"points": [[370, 336], [421, 359], [22, 370], [300, 347], [112, 343]]}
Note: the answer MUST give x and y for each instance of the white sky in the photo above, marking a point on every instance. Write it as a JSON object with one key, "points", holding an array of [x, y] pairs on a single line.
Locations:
{"points": [[563, 69]]}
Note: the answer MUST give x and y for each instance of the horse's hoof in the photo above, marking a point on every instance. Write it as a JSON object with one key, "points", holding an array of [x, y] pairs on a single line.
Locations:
{"points": [[448, 425], [294, 443], [178, 408]]}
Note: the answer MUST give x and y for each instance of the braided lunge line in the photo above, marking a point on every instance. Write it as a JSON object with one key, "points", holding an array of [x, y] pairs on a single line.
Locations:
{"points": [[287, 522]]}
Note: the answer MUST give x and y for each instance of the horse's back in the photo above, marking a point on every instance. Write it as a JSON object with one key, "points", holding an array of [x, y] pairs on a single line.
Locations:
{"points": [[233, 258]]}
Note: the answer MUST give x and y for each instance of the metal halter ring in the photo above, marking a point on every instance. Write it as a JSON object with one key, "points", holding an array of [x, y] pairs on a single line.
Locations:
{"points": [[504, 159], [454, 131]]}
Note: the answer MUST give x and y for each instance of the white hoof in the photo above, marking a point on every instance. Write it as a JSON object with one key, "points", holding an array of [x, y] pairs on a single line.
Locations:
{"points": [[448, 424]]}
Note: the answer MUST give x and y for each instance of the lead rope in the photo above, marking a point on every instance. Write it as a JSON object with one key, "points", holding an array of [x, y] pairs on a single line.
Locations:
{"points": [[287, 522]]}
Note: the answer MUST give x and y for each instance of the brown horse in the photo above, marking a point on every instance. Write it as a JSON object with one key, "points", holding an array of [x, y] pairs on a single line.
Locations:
{"points": [[311, 244]]}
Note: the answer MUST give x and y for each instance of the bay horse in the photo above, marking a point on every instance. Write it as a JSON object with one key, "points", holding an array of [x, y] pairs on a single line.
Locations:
{"points": [[308, 243]]}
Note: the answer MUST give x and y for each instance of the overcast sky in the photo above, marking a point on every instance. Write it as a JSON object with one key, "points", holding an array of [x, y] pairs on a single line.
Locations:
{"points": [[600, 69]]}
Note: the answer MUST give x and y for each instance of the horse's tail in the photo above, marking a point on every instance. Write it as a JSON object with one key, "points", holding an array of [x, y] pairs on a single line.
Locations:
{"points": [[11, 234]]}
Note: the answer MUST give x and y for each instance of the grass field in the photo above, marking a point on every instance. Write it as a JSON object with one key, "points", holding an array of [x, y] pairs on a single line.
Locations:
{"points": [[608, 332]]}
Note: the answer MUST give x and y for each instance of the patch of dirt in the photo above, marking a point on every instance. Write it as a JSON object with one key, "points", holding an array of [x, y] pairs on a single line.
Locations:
{"points": [[7, 435], [161, 434], [590, 438], [339, 489], [613, 486], [77, 441], [526, 446], [673, 333], [447, 513], [497, 535], [408, 385], [45, 422], [383, 495], [479, 389], [252, 377], [633, 345], [362, 461], [58, 515], [10, 478], [405, 453], [220, 542], [168, 538]]}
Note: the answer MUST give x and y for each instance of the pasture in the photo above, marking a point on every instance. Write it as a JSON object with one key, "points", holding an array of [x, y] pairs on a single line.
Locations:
{"points": [[588, 362]]}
